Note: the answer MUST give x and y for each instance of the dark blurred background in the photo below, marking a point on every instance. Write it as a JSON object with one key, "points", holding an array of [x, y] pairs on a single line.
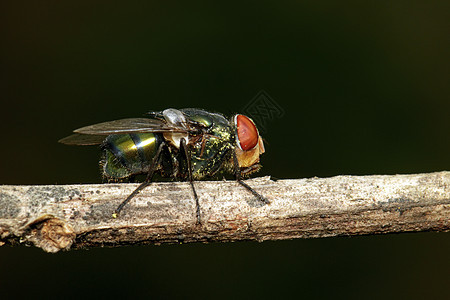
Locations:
{"points": [[364, 89]]}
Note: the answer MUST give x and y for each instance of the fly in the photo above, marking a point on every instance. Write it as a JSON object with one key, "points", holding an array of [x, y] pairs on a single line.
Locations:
{"points": [[184, 144]]}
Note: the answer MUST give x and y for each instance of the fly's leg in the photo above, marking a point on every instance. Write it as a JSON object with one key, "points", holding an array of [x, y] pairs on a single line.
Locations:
{"points": [[187, 155], [237, 174], [155, 162]]}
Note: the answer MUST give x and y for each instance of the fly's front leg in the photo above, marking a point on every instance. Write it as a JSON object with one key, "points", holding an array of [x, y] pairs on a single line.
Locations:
{"points": [[155, 163], [237, 174], [187, 155]]}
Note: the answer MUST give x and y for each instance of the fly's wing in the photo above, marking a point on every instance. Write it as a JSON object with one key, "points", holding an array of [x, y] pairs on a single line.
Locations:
{"points": [[95, 134], [82, 139], [134, 125]]}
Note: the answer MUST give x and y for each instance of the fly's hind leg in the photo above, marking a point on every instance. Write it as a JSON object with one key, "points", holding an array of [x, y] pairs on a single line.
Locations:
{"points": [[155, 163], [237, 174], [187, 155]]}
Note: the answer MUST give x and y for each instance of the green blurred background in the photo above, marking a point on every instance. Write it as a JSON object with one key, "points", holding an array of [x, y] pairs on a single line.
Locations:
{"points": [[364, 87]]}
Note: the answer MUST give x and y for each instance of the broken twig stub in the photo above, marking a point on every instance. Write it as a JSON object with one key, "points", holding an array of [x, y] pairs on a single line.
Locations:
{"points": [[56, 217]]}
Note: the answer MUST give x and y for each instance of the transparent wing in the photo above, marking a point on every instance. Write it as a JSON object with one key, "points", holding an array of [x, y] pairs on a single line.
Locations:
{"points": [[133, 125], [83, 139]]}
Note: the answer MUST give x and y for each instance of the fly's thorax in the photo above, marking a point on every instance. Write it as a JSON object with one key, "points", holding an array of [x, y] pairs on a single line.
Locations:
{"points": [[210, 148], [128, 154]]}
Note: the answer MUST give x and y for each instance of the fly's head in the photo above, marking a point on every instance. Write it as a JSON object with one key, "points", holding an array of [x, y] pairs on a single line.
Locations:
{"points": [[249, 144]]}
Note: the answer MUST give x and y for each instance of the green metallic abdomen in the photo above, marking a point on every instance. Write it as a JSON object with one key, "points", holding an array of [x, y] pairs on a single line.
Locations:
{"points": [[129, 154]]}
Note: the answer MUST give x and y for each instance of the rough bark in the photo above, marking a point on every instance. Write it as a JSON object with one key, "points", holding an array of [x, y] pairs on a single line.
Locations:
{"points": [[56, 217]]}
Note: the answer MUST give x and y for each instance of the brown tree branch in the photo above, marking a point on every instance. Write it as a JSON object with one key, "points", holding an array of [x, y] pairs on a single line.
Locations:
{"points": [[72, 216]]}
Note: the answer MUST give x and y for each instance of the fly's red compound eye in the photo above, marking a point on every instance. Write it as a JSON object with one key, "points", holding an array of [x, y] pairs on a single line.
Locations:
{"points": [[247, 134]]}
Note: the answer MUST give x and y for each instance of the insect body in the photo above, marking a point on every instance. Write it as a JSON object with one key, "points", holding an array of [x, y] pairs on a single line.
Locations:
{"points": [[185, 144]]}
